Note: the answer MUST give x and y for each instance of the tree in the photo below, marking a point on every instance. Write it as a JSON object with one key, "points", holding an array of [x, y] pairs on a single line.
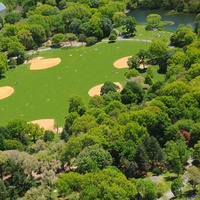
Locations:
{"points": [[146, 189], [154, 150], [76, 104], [133, 62], [106, 25], [34, 132], [194, 134], [12, 17], [175, 89], [3, 163], [136, 89], [129, 25], [142, 159], [112, 37], [17, 129], [183, 36], [71, 37], [57, 39], [157, 49], [38, 33], [153, 22], [133, 131], [109, 86], [96, 102], [194, 177], [197, 23], [177, 154], [48, 136], [57, 25], [196, 152], [93, 157], [25, 37], [91, 41], [118, 18], [83, 124], [127, 96], [38, 19], [176, 186], [15, 49], [3, 64]]}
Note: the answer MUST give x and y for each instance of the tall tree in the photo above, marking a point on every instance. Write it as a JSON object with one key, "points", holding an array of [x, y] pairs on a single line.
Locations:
{"points": [[129, 25]]}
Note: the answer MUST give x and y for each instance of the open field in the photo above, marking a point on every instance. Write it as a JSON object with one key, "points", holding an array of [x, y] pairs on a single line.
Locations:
{"points": [[43, 94], [142, 34]]}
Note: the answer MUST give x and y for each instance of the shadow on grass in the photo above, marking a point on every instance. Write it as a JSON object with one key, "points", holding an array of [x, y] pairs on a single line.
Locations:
{"points": [[2, 77], [170, 178], [142, 71]]}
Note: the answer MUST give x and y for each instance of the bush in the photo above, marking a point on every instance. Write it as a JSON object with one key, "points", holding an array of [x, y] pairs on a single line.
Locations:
{"points": [[13, 144], [12, 17], [112, 37], [157, 171], [114, 32], [91, 41], [48, 136]]}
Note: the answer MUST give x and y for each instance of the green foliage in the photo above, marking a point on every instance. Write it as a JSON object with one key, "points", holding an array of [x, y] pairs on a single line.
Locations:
{"points": [[197, 23], [91, 41], [183, 36], [13, 144], [177, 154], [112, 37], [57, 39], [109, 86], [76, 104], [194, 176], [196, 151], [91, 158], [176, 187], [129, 25], [48, 136], [153, 22], [12, 17], [3, 64], [135, 132], [175, 89], [107, 184], [146, 189]]}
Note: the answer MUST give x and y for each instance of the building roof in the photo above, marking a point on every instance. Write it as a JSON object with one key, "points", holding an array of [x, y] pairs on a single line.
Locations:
{"points": [[2, 7]]}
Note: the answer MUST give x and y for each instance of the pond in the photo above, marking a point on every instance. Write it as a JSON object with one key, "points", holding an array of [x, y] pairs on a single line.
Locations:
{"points": [[180, 18]]}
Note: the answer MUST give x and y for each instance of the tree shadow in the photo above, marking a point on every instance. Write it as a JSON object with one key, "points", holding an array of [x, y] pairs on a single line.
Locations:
{"points": [[2, 77], [141, 71], [170, 178]]}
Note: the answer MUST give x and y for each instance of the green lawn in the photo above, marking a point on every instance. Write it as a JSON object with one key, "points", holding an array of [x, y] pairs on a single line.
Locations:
{"points": [[141, 33], [44, 93]]}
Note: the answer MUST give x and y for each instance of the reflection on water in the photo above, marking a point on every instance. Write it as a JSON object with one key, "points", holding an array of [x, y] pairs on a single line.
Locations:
{"points": [[180, 18]]}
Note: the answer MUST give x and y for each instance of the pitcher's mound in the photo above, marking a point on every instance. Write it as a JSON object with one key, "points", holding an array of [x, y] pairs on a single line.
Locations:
{"points": [[5, 91], [39, 63], [122, 62], [96, 90]]}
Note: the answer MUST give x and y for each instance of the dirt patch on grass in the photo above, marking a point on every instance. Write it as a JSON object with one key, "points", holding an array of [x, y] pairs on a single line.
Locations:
{"points": [[122, 62], [6, 91], [40, 63], [48, 124], [97, 89]]}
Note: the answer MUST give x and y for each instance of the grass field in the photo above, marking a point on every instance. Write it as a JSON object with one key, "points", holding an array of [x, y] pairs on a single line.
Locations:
{"points": [[142, 34], [44, 93]]}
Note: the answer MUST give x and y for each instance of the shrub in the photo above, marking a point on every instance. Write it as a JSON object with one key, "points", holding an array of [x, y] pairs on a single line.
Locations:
{"points": [[112, 37], [91, 41]]}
